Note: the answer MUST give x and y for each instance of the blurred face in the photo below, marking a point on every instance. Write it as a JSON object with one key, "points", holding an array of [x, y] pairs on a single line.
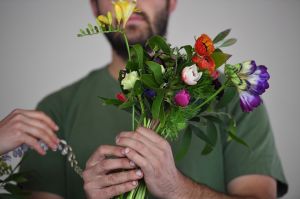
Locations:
{"points": [[152, 20]]}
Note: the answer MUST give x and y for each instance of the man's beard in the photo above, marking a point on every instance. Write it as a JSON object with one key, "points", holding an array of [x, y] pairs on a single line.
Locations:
{"points": [[160, 24]]}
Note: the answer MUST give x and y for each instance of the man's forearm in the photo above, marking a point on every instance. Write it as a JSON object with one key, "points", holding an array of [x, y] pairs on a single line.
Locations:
{"points": [[190, 189]]}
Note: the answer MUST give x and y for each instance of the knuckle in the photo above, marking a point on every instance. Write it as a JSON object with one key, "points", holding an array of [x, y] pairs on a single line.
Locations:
{"points": [[18, 117], [111, 178], [85, 175]]}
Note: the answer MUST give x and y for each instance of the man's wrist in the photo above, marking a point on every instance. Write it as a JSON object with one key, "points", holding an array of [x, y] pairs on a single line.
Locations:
{"points": [[184, 188]]}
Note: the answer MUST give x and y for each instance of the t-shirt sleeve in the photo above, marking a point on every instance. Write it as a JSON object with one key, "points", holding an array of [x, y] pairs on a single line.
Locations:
{"points": [[261, 157], [47, 173]]}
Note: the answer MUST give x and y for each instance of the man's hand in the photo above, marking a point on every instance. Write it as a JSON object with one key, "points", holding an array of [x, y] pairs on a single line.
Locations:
{"points": [[153, 155], [101, 181], [27, 127]]}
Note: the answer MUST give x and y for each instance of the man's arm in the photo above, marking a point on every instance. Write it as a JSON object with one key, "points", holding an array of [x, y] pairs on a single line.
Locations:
{"points": [[244, 187], [44, 195], [152, 153]]}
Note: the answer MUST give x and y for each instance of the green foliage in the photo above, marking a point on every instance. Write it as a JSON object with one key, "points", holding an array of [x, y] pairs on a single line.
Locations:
{"points": [[229, 94], [221, 36], [229, 42], [220, 58], [185, 144], [156, 70], [157, 103], [157, 43]]}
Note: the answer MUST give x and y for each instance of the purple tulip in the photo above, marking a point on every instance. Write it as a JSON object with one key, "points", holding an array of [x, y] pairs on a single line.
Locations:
{"points": [[182, 98]]}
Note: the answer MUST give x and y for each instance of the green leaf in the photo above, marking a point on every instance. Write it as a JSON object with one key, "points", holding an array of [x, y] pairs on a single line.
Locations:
{"points": [[107, 101], [232, 133], [213, 118], [229, 42], [200, 134], [185, 144], [82, 32], [149, 81], [157, 42], [138, 88], [222, 35], [139, 52], [162, 116], [156, 105], [220, 58], [14, 189], [207, 149], [88, 31], [229, 94], [126, 105], [156, 70], [91, 28], [212, 132], [132, 66]]}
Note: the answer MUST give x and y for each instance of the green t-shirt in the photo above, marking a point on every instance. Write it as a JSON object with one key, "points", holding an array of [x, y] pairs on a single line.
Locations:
{"points": [[85, 124]]}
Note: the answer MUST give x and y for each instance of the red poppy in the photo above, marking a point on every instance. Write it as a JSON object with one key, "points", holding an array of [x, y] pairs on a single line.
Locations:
{"points": [[120, 96], [204, 62], [204, 46]]}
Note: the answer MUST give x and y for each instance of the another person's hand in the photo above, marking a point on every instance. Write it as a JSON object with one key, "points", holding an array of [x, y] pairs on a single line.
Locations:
{"points": [[103, 176], [27, 127], [153, 155]]}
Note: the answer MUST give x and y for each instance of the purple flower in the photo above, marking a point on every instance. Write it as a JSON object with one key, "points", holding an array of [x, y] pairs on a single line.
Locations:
{"points": [[251, 81], [182, 98], [149, 93]]}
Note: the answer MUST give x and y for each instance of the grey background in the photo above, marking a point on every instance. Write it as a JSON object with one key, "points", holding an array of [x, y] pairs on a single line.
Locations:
{"points": [[40, 53]]}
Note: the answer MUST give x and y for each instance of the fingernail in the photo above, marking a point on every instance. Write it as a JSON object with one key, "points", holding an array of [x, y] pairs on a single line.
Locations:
{"points": [[132, 163], [126, 150], [139, 173], [117, 139], [134, 183]]}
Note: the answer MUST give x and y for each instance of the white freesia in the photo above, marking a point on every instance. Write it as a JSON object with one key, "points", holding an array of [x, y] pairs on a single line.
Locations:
{"points": [[129, 80], [190, 75]]}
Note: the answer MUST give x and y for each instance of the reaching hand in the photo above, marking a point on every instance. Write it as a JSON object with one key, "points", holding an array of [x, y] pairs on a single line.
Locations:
{"points": [[27, 127], [154, 156], [102, 176]]}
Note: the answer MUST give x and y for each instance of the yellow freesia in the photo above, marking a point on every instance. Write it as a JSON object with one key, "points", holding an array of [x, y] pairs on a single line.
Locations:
{"points": [[107, 20], [124, 9]]}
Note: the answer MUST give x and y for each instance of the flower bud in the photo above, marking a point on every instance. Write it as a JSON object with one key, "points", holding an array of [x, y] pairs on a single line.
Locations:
{"points": [[182, 98], [190, 75]]}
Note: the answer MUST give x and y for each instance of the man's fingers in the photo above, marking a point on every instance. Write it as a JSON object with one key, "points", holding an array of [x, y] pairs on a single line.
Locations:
{"points": [[107, 166], [38, 115], [137, 159], [33, 143], [116, 190], [102, 152], [37, 133], [121, 177], [151, 135]]}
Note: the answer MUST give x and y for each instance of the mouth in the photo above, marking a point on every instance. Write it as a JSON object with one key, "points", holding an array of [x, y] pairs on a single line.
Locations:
{"points": [[134, 19]]}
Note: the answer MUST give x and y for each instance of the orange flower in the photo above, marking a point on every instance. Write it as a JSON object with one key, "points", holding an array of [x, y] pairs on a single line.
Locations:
{"points": [[204, 46], [204, 62]]}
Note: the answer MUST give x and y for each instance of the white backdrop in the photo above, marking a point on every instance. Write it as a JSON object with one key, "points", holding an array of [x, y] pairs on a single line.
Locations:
{"points": [[40, 53]]}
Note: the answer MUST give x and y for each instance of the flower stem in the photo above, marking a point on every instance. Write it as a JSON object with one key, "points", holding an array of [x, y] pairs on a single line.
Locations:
{"points": [[133, 118], [212, 96], [127, 45]]}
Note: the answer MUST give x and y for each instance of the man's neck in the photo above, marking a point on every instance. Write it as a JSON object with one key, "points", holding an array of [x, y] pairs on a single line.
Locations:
{"points": [[117, 64]]}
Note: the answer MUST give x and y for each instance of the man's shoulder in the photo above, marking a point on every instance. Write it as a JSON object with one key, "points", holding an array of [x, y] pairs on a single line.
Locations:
{"points": [[65, 94]]}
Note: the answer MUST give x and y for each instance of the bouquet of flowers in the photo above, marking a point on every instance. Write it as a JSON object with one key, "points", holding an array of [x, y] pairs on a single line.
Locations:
{"points": [[172, 89]]}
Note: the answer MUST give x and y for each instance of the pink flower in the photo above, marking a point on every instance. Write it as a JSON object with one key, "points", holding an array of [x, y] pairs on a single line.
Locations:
{"points": [[190, 75], [182, 98]]}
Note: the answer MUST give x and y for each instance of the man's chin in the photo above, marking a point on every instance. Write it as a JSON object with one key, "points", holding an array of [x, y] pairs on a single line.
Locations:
{"points": [[137, 34]]}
